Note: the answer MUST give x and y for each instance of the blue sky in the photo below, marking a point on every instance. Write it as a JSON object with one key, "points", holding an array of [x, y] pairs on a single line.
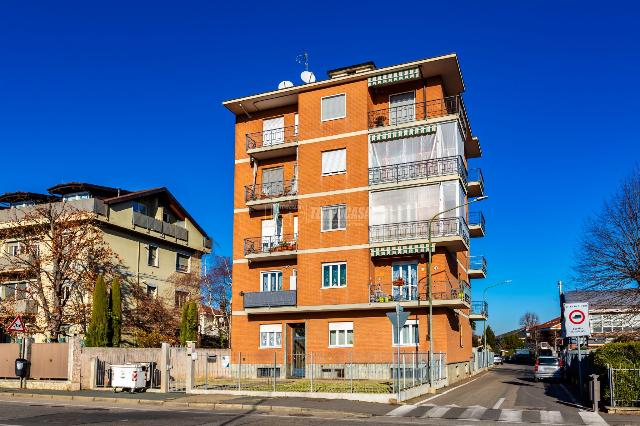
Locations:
{"points": [[128, 93]]}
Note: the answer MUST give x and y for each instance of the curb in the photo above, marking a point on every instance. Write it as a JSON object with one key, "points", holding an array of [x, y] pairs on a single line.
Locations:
{"points": [[194, 405]]}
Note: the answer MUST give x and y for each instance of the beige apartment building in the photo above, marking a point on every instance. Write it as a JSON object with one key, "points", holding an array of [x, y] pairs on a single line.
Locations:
{"points": [[152, 233]]}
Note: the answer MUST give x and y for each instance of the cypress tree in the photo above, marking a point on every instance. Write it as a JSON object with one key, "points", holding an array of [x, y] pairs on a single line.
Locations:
{"points": [[183, 324], [97, 331], [192, 322], [116, 313]]}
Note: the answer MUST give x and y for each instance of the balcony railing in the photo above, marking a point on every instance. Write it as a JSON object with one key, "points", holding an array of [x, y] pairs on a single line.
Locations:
{"points": [[91, 205], [475, 175], [421, 111], [477, 219], [272, 138], [407, 292], [418, 170], [271, 244], [165, 228], [269, 299], [267, 191], [480, 308], [444, 227], [478, 263]]}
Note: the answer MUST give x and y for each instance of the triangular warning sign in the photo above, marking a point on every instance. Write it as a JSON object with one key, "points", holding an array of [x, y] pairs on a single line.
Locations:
{"points": [[17, 326]]}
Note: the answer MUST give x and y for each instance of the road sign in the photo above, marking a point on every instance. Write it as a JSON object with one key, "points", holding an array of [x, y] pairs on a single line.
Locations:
{"points": [[398, 318], [17, 326], [576, 319]]}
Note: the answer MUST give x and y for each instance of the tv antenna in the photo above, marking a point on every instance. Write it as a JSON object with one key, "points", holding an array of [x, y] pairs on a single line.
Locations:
{"points": [[306, 76]]}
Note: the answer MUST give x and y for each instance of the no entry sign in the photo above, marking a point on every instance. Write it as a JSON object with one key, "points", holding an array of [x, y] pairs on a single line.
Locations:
{"points": [[576, 319]]}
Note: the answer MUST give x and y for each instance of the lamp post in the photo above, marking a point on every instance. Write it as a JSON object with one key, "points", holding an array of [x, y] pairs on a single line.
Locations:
{"points": [[429, 282], [484, 323]]}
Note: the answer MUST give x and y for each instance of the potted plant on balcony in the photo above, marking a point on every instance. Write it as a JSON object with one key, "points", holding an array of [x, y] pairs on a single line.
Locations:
{"points": [[398, 281]]}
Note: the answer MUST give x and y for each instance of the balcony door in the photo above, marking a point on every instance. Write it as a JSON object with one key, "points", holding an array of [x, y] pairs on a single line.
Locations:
{"points": [[407, 274], [273, 131], [402, 108], [273, 181], [271, 281], [271, 233]]}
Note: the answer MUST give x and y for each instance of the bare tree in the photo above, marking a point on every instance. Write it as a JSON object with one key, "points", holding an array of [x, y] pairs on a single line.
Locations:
{"points": [[216, 293], [55, 254], [529, 319]]}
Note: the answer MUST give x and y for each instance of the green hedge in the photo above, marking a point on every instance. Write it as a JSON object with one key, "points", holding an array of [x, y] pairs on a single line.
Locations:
{"points": [[627, 383]]}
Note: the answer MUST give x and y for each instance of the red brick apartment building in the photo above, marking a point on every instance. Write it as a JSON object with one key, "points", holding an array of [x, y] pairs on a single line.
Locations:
{"points": [[335, 182]]}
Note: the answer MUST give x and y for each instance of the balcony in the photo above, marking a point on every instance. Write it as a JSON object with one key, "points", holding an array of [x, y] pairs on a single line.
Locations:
{"points": [[273, 143], [479, 311], [421, 111], [269, 299], [475, 184], [444, 293], [90, 205], [477, 267], [450, 232], [419, 170], [275, 247], [476, 224], [263, 195], [167, 229]]}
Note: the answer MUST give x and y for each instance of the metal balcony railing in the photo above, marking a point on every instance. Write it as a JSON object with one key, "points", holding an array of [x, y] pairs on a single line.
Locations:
{"points": [[401, 291], [480, 308], [444, 227], [270, 244], [418, 170], [268, 299], [478, 263], [475, 175], [272, 138], [421, 111], [267, 191], [165, 228], [477, 219]]}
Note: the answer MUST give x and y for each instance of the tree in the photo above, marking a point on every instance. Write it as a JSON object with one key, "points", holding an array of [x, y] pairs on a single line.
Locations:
{"points": [[59, 253], [510, 342], [149, 320], [97, 334], [491, 337], [189, 323], [609, 254], [116, 313], [528, 320]]}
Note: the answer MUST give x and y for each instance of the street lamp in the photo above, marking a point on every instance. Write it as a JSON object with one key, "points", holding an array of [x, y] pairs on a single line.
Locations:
{"points": [[429, 282], [484, 323]]}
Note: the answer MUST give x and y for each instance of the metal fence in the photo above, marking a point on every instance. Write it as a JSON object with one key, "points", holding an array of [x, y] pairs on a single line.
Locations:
{"points": [[624, 387], [418, 170], [333, 372]]}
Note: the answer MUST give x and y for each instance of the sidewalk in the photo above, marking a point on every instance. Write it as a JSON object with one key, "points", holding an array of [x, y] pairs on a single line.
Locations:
{"points": [[214, 402]]}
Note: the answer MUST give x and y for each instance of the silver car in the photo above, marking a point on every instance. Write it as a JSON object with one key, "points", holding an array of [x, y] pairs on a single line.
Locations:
{"points": [[547, 367]]}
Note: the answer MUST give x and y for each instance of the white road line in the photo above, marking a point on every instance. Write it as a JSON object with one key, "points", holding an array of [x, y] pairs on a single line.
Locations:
{"points": [[401, 410], [498, 404], [436, 412], [514, 416], [472, 413], [446, 392], [591, 418], [551, 417]]}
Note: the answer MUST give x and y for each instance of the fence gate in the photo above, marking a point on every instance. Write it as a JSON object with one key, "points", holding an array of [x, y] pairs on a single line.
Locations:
{"points": [[177, 369]]}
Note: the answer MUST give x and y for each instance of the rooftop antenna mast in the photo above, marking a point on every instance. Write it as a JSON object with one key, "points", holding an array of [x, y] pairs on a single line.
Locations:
{"points": [[306, 76]]}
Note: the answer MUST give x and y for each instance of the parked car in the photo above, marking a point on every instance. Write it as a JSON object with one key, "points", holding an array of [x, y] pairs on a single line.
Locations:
{"points": [[497, 360], [547, 367]]}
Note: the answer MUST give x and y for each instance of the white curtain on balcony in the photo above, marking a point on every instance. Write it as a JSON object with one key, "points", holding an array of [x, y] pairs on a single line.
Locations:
{"points": [[446, 142], [414, 204]]}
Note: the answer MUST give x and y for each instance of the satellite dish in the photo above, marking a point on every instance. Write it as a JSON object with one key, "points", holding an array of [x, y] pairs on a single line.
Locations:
{"points": [[285, 84], [307, 77]]}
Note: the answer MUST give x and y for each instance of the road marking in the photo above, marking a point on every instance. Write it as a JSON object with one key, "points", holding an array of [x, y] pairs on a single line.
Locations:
{"points": [[591, 418], [551, 417], [401, 410], [436, 412], [446, 392], [473, 413], [514, 416], [498, 404]]}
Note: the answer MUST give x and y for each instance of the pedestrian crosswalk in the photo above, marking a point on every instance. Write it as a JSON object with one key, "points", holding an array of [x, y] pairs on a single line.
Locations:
{"points": [[453, 412]]}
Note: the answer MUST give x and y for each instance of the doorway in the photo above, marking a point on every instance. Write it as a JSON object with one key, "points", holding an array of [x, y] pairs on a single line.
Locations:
{"points": [[298, 350]]}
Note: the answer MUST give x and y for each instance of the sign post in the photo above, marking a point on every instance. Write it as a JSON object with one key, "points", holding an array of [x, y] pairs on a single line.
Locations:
{"points": [[398, 319], [17, 326], [577, 324]]}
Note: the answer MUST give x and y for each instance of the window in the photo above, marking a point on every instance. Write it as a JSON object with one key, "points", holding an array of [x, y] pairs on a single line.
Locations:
{"points": [[15, 291], [152, 256], [334, 162], [13, 249], [408, 334], [181, 298], [182, 262], [271, 281], [168, 217], [76, 196], [270, 336], [152, 291], [334, 107], [334, 274], [139, 208], [334, 218], [340, 334]]}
